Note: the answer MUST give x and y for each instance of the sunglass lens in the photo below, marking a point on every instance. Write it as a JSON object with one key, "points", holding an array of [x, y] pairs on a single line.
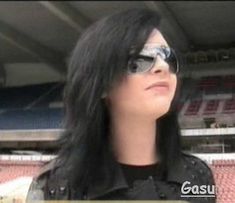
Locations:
{"points": [[140, 65], [172, 60], [145, 61]]}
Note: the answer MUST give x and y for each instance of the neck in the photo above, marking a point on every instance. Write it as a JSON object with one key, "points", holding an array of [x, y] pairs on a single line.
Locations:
{"points": [[134, 140]]}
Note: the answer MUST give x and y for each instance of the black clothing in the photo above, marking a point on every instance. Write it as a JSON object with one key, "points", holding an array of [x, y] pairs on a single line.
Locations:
{"points": [[133, 173], [49, 186]]}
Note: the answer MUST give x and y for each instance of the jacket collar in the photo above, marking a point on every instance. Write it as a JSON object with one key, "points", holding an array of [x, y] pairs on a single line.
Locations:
{"points": [[101, 186], [176, 173]]}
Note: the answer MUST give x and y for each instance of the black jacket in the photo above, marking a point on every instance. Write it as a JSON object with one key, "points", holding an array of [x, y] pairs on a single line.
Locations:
{"points": [[47, 186]]}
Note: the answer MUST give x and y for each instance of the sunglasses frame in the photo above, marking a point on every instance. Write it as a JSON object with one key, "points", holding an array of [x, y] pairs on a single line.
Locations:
{"points": [[153, 50]]}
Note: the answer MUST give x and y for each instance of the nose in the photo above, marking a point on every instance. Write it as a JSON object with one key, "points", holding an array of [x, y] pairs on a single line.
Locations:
{"points": [[160, 66]]}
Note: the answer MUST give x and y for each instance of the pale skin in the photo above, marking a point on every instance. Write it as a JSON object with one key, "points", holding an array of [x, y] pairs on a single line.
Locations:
{"points": [[134, 110]]}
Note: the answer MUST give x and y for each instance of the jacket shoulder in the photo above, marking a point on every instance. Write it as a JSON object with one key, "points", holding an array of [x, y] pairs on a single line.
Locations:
{"points": [[194, 160], [200, 167], [37, 189], [199, 174]]}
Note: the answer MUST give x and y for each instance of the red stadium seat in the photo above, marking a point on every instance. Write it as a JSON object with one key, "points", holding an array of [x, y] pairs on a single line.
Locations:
{"points": [[229, 106], [211, 107], [193, 107]]}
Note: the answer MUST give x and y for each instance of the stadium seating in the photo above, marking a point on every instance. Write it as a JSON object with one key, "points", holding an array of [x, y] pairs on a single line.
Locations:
{"points": [[33, 95], [209, 82], [193, 107], [28, 107], [229, 106], [10, 170], [208, 96], [229, 81], [37, 118], [224, 174], [211, 107]]}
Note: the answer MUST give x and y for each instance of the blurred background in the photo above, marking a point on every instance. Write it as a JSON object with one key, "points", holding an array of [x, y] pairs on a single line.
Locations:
{"points": [[36, 41]]}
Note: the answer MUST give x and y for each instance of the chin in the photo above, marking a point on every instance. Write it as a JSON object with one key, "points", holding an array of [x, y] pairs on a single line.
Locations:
{"points": [[161, 111]]}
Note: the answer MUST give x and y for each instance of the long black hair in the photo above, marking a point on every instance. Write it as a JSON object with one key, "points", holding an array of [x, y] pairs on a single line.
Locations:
{"points": [[98, 61]]}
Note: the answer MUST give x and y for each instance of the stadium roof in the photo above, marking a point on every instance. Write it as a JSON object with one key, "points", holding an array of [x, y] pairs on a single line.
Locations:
{"points": [[37, 37]]}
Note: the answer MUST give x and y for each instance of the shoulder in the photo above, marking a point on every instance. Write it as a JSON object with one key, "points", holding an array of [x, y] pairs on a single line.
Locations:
{"points": [[198, 176], [199, 169], [190, 158], [191, 168], [38, 187], [51, 184]]}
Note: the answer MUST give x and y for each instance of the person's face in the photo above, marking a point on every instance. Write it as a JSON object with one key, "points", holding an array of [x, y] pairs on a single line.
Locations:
{"points": [[135, 96]]}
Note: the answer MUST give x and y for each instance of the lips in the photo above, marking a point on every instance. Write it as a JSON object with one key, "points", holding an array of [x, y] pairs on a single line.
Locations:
{"points": [[159, 86]]}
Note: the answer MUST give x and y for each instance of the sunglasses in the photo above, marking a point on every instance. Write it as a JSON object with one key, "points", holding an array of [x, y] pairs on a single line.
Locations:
{"points": [[147, 58]]}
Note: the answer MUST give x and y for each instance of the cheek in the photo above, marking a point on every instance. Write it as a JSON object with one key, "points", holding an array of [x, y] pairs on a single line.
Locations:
{"points": [[174, 85], [130, 96], [128, 93]]}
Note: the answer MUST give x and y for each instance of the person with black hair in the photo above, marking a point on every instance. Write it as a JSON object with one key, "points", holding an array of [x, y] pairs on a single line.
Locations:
{"points": [[121, 139]]}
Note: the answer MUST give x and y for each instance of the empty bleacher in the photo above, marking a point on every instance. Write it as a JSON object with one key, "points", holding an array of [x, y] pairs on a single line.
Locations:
{"points": [[14, 169], [30, 96], [229, 106], [224, 174], [31, 107], [193, 107], [36, 118], [209, 82], [211, 107], [229, 81], [209, 96]]}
